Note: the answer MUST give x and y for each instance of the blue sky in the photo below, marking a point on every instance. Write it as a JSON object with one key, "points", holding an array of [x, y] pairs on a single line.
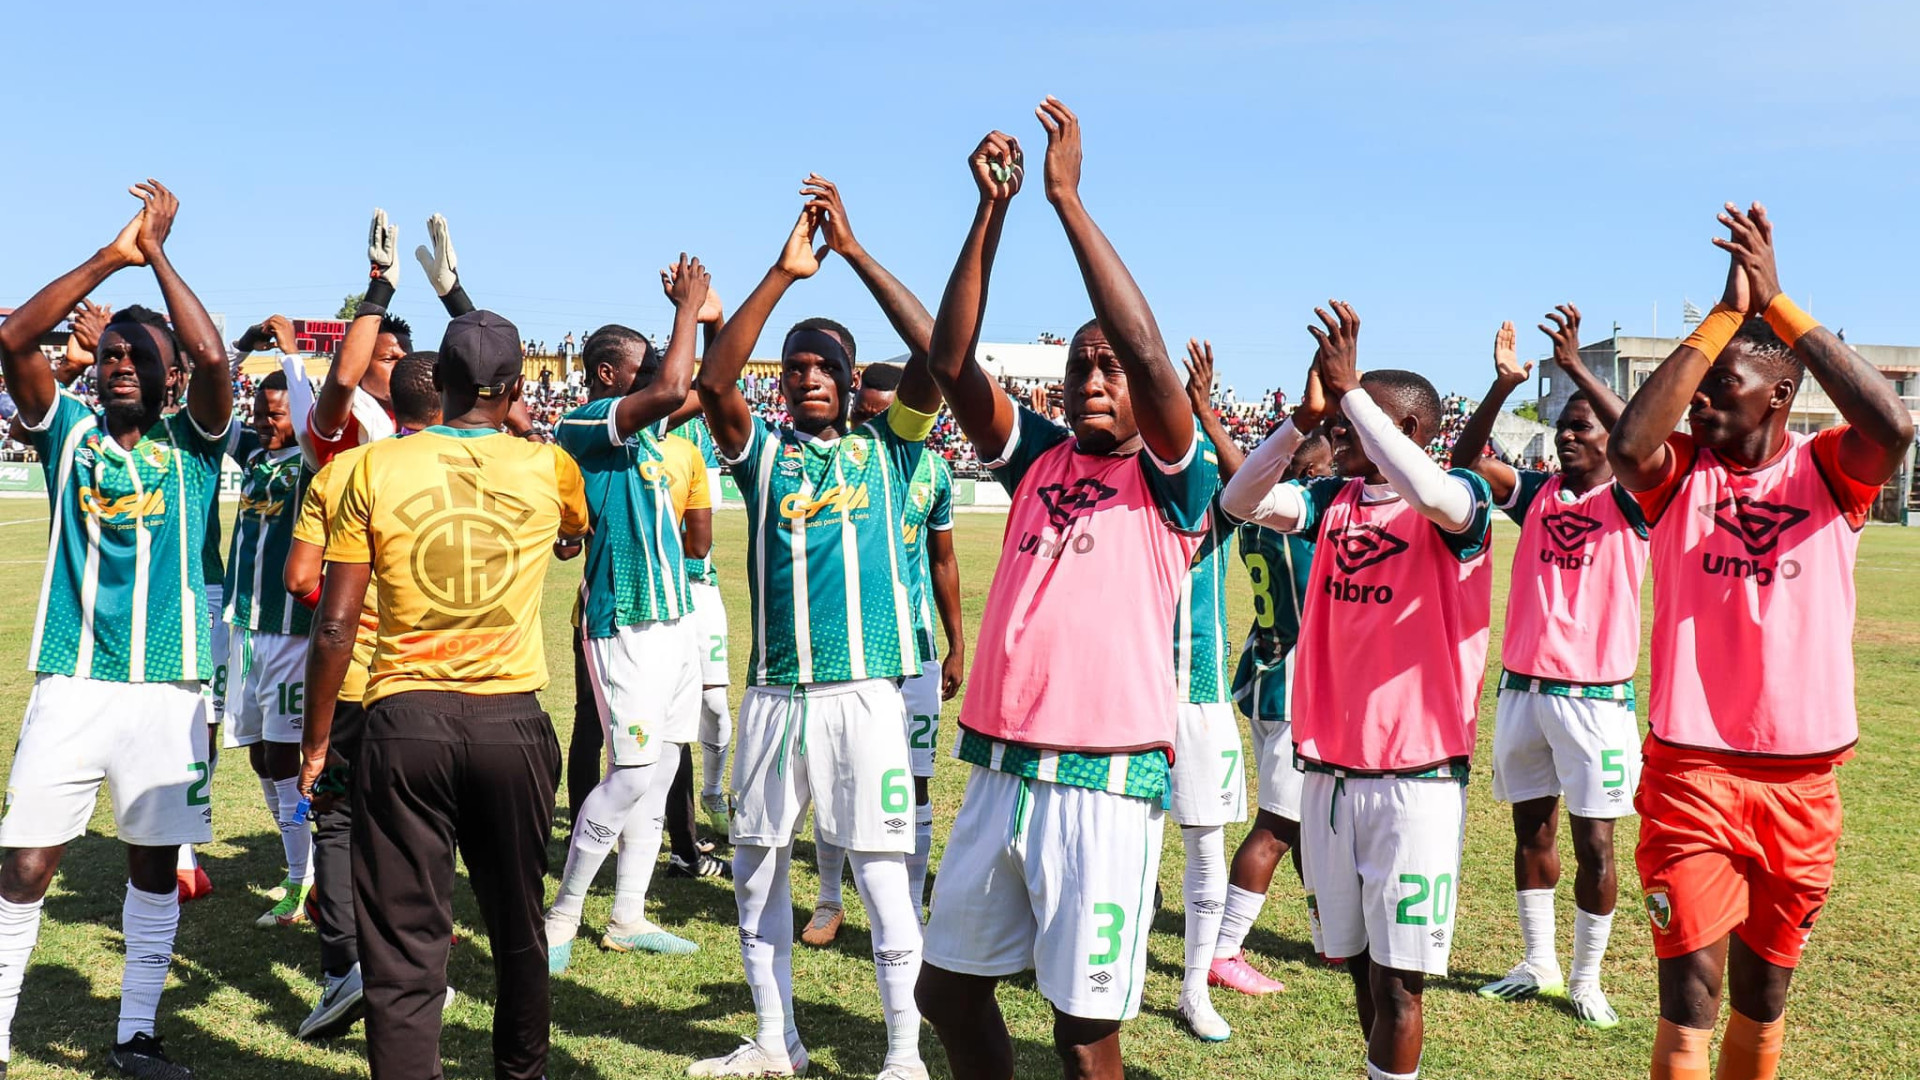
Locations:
{"points": [[1441, 166]]}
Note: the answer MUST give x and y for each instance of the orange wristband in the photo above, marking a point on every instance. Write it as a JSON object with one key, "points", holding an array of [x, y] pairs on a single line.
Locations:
{"points": [[1715, 331], [1788, 320]]}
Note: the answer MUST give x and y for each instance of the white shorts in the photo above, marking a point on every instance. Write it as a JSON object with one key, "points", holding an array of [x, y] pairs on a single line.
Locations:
{"points": [[266, 686], [921, 695], [1381, 861], [217, 637], [1209, 784], [148, 741], [1054, 878], [1280, 777], [1548, 744], [646, 687], [710, 630], [841, 747]]}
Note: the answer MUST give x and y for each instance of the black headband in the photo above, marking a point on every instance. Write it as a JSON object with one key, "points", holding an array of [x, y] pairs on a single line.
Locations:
{"points": [[821, 344]]}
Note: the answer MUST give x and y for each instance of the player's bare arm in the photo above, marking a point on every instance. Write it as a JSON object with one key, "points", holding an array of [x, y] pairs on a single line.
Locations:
{"points": [[1509, 374], [304, 564], [713, 315], [686, 285], [1159, 399], [944, 570], [443, 268], [334, 404], [729, 419], [87, 320], [904, 311], [1879, 427], [29, 377], [1200, 398], [1565, 335], [1637, 443], [210, 392], [696, 533], [979, 405], [336, 622]]}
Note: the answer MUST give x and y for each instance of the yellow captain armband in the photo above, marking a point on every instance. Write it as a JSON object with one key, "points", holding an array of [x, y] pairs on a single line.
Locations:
{"points": [[1788, 320], [1715, 331], [909, 423]]}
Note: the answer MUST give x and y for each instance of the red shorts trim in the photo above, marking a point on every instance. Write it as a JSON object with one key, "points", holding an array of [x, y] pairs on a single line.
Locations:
{"points": [[1723, 853]]}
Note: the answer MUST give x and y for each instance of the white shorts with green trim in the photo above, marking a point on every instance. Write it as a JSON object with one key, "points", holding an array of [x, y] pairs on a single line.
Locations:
{"points": [[1545, 745], [266, 686], [217, 644], [922, 697], [710, 632], [840, 747], [646, 687], [146, 741], [1280, 777], [1380, 858], [1209, 780], [1053, 878]]}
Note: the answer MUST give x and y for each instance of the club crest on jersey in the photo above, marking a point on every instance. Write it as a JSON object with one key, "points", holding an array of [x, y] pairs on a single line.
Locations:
{"points": [[1759, 525], [1660, 909], [1065, 502], [1356, 547], [856, 452], [156, 454]]}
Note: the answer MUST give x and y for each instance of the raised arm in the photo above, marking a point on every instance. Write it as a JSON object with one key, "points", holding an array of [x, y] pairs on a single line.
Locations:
{"points": [[29, 376], [729, 418], [1469, 449], [712, 317], [88, 321], [907, 315], [982, 409], [443, 268], [1565, 334], [686, 283], [333, 406], [1255, 493], [209, 390], [1159, 400], [1637, 444], [1200, 397], [1879, 427]]}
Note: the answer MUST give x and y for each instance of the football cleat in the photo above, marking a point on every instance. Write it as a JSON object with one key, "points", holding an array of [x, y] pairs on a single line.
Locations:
{"points": [[824, 926], [143, 1058], [1235, 973], [1522, 983], [644, 936], [751, 1060], [342, 1002], [292, 908], [1591, 1008], [194, 884], [1202, 1019]]}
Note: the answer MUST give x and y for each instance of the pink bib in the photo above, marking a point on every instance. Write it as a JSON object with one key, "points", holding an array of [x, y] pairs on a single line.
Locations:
{"points": [[1574, 610], [1393, 642]]}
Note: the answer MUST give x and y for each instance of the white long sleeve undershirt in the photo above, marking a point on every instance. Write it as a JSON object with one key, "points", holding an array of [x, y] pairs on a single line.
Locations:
{"points": [[1439, 496], [1256, 494]]}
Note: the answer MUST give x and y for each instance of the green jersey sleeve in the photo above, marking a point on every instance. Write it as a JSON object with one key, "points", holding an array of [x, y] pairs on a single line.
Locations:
{"points": [[1032, 436], [1184, 490], [1526, 488]]}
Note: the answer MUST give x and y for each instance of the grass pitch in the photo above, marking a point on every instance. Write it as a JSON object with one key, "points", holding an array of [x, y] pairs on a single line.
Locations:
{"points": [[237, 993]]}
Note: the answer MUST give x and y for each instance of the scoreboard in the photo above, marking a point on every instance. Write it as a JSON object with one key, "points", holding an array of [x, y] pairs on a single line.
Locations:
{"points": [[318, 336]]}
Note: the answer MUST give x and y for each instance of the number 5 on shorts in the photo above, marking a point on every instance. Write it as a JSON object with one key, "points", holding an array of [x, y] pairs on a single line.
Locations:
{"points": [[894, 793], [1613, 771], [1116, 920]]}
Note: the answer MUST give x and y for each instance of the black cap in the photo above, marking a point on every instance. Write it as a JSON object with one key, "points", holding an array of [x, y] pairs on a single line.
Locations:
{"points": [[484, 349]]}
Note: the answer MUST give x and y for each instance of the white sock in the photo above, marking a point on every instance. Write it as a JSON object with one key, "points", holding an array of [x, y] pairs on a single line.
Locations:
{"points": [[1375, 1072], [1205, 891], [922, 853], [640, 848], [1590, 933], [296, 836], [1236, 920], [270, 789], [148, 922], [603, 813], [716, 735], [833, 860], [1537, 930], [896, 949], [19, 930], [186, 861], [763, 898]]}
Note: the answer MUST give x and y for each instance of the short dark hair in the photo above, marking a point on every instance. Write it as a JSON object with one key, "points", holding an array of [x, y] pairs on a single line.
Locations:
{"points": [[883, 377], [411, 388], [1090, 324], [1410, 393], [1314, 443], [818, 323], [607, 344], [274, 380], [1770, 353], [145, 316], [403, 333]]}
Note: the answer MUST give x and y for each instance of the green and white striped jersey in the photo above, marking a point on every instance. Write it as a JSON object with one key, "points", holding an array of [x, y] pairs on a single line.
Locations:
{"points": [[826, 565], [1278, 566], [1201, 653], [122, 598], [635, 570], [929, 506], [272, 485]]}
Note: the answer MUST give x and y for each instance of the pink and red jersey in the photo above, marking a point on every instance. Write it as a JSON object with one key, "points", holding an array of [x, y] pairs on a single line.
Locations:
{"points": [[1573, 613], [1073, 650], [1393, 641], [1753, 600]]}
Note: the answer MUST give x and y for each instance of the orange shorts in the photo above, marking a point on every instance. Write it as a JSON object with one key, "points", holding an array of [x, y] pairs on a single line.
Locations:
{"points": [[1747, 851]]}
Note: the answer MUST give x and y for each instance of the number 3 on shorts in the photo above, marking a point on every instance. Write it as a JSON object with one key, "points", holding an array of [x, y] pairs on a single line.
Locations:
{"points": [[1116, 920]]}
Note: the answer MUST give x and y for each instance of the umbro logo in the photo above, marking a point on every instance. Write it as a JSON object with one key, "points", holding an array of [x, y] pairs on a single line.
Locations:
{"points": [[893, 957], [598, 831], [1569, 530], [1356, 547], [1439, 939], [1208, 906], [1759, 525], [1100, 981], [894, 824], [1064, 502]]}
